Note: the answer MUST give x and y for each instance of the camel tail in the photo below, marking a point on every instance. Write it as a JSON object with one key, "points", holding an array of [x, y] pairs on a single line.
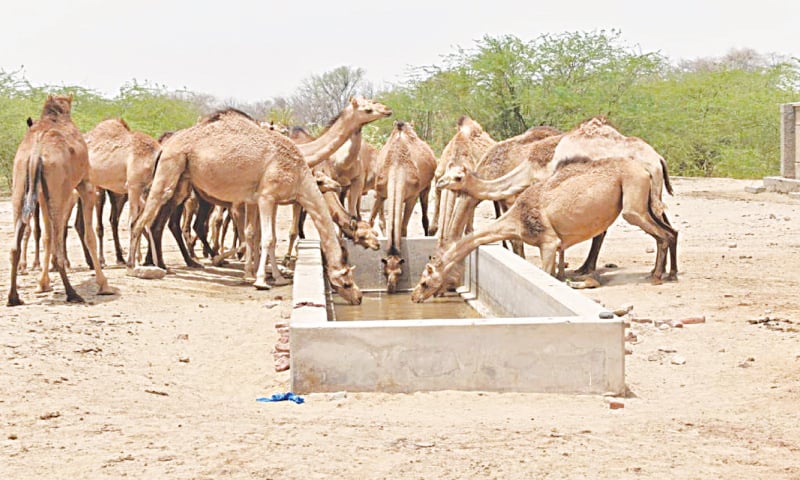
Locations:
{"points": [[32, 182], [667, 183], [146, 189], [660, 219], [394, 214]]}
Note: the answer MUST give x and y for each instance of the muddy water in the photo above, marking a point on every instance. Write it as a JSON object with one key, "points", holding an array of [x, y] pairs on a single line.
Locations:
{"points": [[383, 306]]}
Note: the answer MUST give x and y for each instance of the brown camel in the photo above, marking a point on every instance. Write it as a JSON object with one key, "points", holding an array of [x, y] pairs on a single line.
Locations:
{"points": [[51, 162], [228, 157], [466, 148], [594, 138], [407, 165], [581, 200]]}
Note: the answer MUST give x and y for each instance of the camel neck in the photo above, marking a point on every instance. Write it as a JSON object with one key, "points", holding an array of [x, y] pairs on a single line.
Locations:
{"points": [[323, 147], [311, 199], [503, 187]]}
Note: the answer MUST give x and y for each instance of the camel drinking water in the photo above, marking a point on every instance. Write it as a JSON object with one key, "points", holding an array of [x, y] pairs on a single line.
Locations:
{"points": [[581, 200], [406, 168]]}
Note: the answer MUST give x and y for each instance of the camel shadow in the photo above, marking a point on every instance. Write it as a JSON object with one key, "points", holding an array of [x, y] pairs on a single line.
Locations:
{"points": [[608, 277]]}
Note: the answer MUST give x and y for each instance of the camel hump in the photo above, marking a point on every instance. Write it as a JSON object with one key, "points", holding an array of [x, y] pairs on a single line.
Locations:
{"points": [[576, 160]]}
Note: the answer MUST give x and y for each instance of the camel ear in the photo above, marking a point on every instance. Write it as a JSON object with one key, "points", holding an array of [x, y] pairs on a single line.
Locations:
{"points": [[384, 261], [354, 102], [402, 261], [29, 121], [429, 269]]}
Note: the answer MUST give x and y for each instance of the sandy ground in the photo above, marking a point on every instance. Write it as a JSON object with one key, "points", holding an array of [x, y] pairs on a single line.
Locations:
{"points": [[160, 380]]}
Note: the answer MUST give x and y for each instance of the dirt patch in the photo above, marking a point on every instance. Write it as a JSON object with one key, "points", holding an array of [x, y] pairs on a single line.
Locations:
{"points": [[160, 380]]}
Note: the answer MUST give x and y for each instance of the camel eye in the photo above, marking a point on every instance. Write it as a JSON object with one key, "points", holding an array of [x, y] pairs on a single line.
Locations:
{"points": [[369, 110], [347, 285], [423, 284]]}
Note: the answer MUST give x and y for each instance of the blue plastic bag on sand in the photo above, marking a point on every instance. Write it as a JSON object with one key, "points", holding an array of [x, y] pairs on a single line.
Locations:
{"points": [[279, 397]]}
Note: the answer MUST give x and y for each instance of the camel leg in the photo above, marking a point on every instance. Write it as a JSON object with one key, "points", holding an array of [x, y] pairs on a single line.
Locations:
{"points": [[590, 264], [268, 210], [296, 209], [22, 261], [377, 209], [19, 231], [549, 248], [251, 212], [353, 196], [37, 238], [98, 209], [86, 191], [47, 233], [437, 200], [215, 227], [200, 226], [650, 225], [408, 209], [673, 250], [226, 223], [423, 203], [164, 182], [117, 204], [80, 228], [55, 212]]}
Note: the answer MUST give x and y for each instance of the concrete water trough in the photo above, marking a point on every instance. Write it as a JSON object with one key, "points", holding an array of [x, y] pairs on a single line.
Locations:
{"points": [[534, 334]]}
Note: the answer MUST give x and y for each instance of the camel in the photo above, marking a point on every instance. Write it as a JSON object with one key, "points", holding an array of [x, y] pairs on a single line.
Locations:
{"points": [[535, 145], [465, 148], [355, 114], [52, 161], [594, 138], [229, 158], [407, 165], [579, 201], [120, 162]]}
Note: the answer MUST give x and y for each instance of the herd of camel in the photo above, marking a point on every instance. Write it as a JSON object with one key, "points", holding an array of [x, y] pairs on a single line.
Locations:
{"points": [[551, 189]]}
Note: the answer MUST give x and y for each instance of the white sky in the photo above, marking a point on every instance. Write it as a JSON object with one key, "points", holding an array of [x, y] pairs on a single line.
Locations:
{"points": [[254, 50]]}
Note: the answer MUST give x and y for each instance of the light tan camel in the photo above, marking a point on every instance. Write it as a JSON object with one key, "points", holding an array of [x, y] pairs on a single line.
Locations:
{"points": [[533, 147], [368, 156], [407, 165], [50, 163], [466, 148], [354, 115], [594, 138], [581, 200], [120, 161], [229, 158]]}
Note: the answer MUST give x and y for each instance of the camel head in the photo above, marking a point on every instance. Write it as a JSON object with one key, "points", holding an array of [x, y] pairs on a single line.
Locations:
{"points": [[275, 127], [469, 127], [56, 105], [365, 110], [299, 134], [430, 283], [392, 269], [326, 183], [364, 235], [341, 280], [454, 178]]}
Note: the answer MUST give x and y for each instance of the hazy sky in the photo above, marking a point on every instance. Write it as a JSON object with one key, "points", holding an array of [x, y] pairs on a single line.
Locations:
{"points": [[252, 50]]}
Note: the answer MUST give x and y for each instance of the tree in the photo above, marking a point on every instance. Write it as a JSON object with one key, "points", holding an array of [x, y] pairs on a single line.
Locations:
{"points": [[321, 97]]}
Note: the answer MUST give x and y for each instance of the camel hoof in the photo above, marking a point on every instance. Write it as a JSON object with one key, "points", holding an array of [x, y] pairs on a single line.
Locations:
{"points": [[148, 273], [588, 282], [106, 290], [41, 289], [14, 301], [75, 298], [262, 285], [196, 265], [672, 277], [279, 282], [656, 281], [22, 271], [218, 261]]}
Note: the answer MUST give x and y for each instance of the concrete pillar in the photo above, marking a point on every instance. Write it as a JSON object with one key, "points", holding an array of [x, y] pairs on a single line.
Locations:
{"points": [[790, 139]]}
